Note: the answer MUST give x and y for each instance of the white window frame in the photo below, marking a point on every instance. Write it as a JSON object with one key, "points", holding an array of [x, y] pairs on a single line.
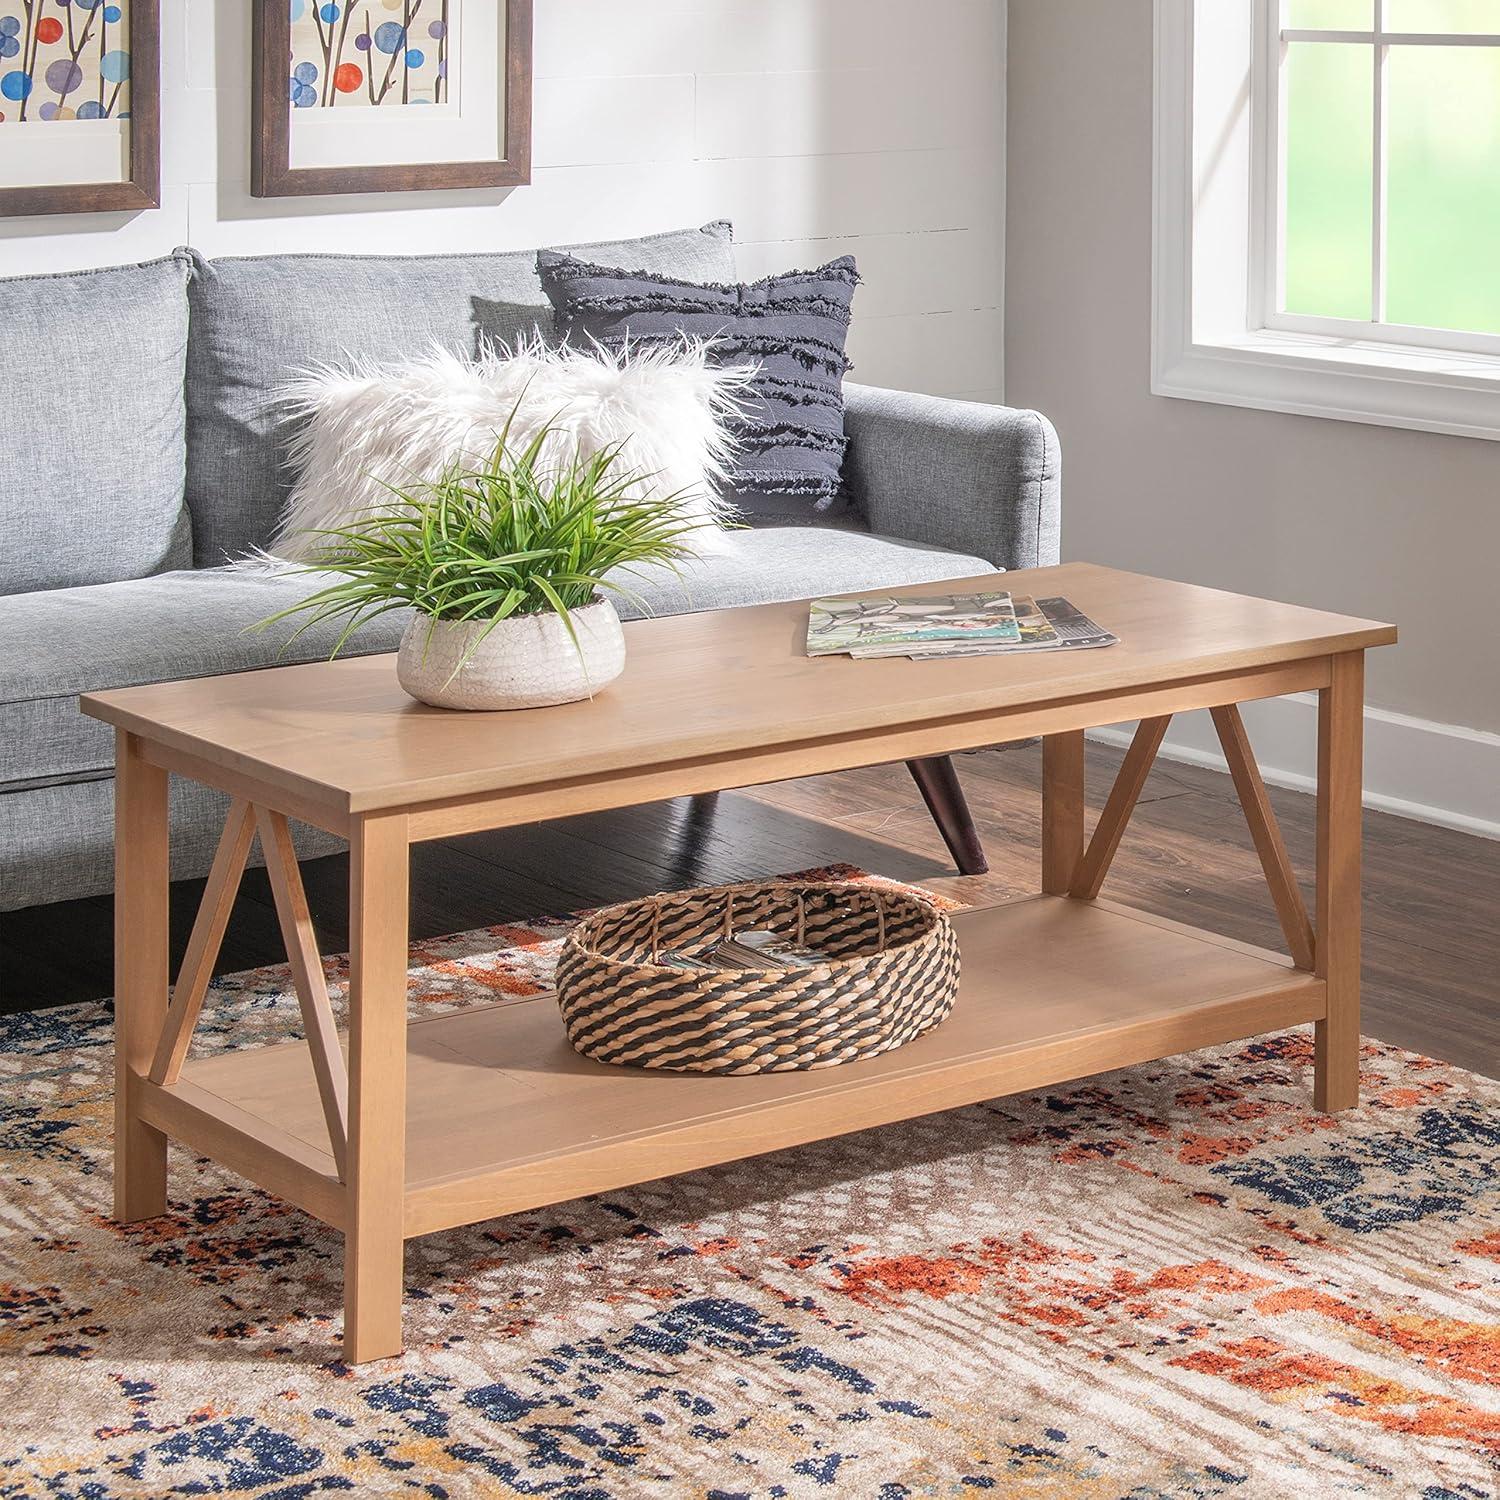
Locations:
{"points": [[1218, 334]]}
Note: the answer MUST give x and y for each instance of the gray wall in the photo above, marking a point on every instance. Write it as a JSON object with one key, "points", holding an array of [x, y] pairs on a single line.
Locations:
{"points": [[1369, 520]]}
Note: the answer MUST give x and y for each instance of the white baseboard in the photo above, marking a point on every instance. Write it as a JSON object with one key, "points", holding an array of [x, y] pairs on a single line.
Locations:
{"points": [[1435, 773]]}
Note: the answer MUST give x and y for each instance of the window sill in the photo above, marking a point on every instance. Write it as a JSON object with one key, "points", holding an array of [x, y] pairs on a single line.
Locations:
{"points": [[1317, 375]]}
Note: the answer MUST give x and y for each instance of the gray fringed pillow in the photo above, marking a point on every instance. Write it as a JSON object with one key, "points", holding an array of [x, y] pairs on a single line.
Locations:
{"points": [[790, 439]]}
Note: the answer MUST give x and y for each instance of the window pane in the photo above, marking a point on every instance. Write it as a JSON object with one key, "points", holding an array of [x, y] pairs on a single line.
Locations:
{"points": [[1330, 90], [1442, 15], [1443, 198], [1328, 15]]}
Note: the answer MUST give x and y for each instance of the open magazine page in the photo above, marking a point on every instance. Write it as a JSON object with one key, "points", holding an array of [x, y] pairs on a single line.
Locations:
{"points": [[1061, 627], [1036, 629], [837, 625], [1073, 627]]}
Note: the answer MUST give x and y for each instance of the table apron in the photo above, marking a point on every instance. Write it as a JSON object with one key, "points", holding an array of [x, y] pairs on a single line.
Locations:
{"points": [[758, 766], [256, 790]]}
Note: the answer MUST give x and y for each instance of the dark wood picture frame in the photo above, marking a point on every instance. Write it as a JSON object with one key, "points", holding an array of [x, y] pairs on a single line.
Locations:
{"points": [[142, 189], [273, 176]]}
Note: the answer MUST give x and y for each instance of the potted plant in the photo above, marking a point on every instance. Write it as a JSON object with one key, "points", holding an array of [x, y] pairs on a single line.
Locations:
{"points": [[508, 566]]}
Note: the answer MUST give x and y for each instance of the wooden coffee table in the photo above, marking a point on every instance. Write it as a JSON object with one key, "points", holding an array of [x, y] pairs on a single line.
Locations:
{"points": [[396, 1130]]}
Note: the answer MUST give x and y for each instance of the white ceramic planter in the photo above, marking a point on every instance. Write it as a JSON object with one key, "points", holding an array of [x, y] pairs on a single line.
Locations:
{"points": [[528, 661]]}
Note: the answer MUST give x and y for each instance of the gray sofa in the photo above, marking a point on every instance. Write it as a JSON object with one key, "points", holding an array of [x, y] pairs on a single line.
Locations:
{"points": [[144, 451]]}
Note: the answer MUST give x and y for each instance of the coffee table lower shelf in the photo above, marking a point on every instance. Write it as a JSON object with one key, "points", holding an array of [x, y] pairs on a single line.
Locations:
{"points": [[503, 1116]]}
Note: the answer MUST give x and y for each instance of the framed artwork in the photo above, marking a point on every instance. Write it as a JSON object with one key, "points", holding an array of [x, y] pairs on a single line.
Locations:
{"points": [[390, 96], [79, 106]]}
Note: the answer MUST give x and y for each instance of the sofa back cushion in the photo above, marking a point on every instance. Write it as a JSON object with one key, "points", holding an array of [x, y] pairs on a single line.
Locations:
{"points": [[91, 371], [259, 322]]}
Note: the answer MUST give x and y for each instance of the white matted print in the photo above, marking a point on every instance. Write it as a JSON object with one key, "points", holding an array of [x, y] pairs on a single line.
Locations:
{"points": [[383, 82], [64, 92], [383, 96], [373, 53], [66, 102]]}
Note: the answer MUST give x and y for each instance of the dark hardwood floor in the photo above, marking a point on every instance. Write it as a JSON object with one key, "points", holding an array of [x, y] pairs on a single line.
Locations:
{"points": [[1432, 897]]}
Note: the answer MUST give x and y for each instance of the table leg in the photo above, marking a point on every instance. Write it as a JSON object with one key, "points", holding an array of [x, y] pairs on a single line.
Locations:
{"points": [[142, 847], [1340, 786], [374, 1232], [1062, 810]]}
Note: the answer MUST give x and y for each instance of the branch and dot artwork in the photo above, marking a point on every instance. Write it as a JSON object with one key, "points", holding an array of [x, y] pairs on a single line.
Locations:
{"points": [[64, 60], [370, 53]]}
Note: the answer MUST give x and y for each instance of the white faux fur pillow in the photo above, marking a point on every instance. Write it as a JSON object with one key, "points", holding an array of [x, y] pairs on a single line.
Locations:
{"points": [[367, 426]]}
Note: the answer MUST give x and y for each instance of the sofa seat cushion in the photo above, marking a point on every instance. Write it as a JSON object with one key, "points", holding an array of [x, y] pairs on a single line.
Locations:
{"points": [[187, 624], [258, 322], [196, 624], [770, 564]]}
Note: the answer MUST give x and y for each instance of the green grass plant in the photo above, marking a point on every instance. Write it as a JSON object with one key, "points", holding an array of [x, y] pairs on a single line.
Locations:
{"points": [[522, 533]]}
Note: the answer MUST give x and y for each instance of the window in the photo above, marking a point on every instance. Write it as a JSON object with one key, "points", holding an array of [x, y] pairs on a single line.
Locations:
{"points": [[1327, 208], [1384, 207]]}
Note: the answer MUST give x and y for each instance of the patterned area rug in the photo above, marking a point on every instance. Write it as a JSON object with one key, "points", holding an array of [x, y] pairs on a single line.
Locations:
{"points": [[1176, 1280]]}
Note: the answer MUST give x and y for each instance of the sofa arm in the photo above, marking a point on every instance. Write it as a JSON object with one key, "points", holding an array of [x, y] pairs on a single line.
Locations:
{"points": [[986, 480]]}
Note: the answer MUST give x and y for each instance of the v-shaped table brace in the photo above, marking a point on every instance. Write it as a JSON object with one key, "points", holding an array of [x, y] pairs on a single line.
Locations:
{"points": [[1089, 874], [240, 828]]}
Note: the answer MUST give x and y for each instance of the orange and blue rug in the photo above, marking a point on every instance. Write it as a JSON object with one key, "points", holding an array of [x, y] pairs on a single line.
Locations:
{"points": [[1172, 1281]]}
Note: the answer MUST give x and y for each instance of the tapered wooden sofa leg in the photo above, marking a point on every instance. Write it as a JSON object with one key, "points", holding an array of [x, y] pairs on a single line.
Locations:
{"points": [[938, 783]]}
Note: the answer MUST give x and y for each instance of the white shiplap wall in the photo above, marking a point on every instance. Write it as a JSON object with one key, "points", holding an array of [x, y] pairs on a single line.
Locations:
{"points": [[874, 127]]}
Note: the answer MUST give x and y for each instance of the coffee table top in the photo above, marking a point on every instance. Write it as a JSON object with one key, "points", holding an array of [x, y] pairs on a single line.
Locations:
{"points": [[344, 735]]}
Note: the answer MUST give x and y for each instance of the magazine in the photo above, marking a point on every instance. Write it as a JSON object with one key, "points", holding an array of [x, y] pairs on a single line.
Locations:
{"points": [[1044, 625], [839, 625], [1034, 627], [1074, 628]]}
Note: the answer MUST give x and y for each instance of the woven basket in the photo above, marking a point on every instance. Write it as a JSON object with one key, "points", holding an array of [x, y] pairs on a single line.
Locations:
{"points": [[891, 974]]}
